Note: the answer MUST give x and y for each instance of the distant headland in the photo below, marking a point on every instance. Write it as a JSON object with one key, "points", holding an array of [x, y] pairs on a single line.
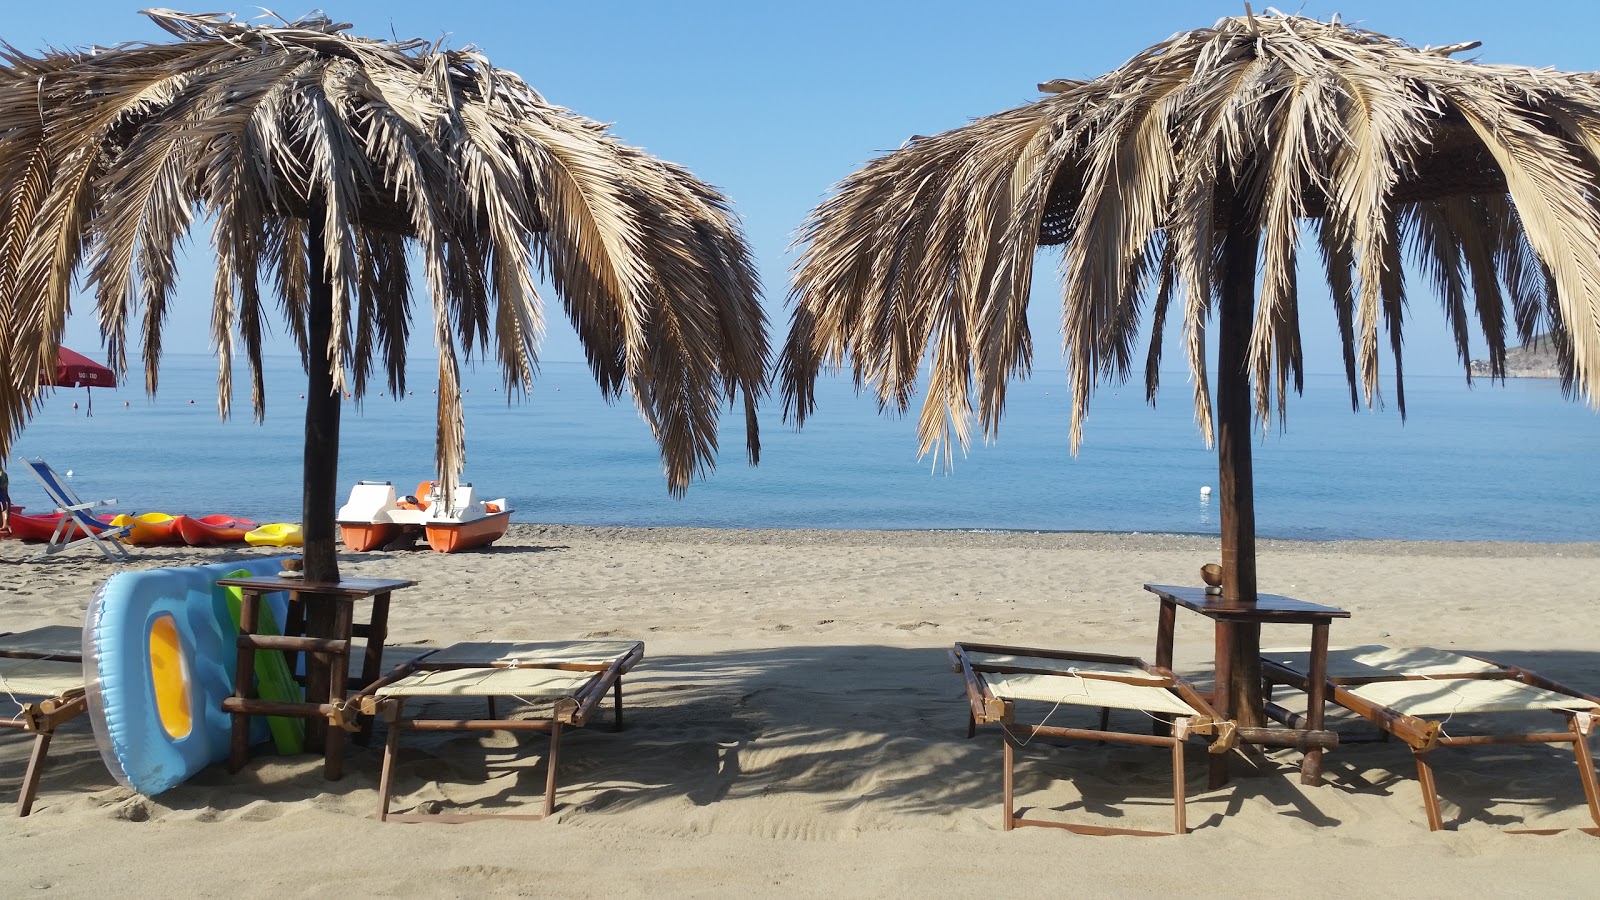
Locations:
{"points": [[1535, 359]]}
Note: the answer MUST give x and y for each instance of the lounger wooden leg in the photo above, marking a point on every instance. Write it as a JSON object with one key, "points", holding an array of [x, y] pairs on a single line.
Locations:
{"points": [[1165, 624], [616, 724], [30, 781], [1179, 794], [294, 622], [1316, 700], [372, 662], [339, 669], [492, 714], [1105, 719], [972, 724], [391, 746], [1006, 792], [550, 776], [1222, 665], [377, 635], [1430, 795], [244, 679], [1217, 769], [1591, 784]]}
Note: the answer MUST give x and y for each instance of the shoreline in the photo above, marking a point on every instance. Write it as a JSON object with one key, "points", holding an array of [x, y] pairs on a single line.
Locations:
{"points": [[21, 553], [1064, 539]]}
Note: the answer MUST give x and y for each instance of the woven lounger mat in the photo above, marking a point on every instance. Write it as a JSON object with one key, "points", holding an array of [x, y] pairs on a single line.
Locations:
{"points": [[531, 653], [980, 659], [525, 684], [40, 677], [1086, 692], [1377, 661], [1447, 696], [61, 641]]}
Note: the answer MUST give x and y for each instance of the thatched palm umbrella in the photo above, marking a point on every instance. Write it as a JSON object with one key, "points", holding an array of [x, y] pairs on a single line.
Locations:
{"points": [[328, 167], [1176, 179]]}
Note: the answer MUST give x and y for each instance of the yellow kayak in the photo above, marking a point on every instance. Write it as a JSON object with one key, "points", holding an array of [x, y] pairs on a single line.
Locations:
{"points": [[150, 528], [277, 534]]}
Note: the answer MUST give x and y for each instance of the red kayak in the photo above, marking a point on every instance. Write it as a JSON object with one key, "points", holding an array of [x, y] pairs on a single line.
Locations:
{"points": [[208, 531], [42, 528]]}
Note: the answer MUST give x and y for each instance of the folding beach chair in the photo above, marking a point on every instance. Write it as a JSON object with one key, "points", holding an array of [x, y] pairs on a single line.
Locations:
{"points": [[558, 684], [74, 512], [44, 663], [1413, 694], [998, 677]]}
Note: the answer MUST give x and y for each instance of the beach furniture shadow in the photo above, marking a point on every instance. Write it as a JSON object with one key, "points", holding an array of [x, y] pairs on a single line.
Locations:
{"points": [[1429, 699], [999, 678], [556, 685], [45, 666], [752, 724]]}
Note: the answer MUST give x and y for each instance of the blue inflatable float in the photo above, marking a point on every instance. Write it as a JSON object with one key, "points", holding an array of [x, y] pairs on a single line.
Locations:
{"points": [[159, 657]]}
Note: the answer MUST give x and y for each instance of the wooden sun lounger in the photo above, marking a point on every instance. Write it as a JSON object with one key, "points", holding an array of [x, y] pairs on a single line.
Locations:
{"points": [[1412, 693], [46, 663], [997, 677], [562, 681]]}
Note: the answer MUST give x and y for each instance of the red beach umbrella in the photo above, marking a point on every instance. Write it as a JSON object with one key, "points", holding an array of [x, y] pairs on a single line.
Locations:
{"points": [[73, 369]]}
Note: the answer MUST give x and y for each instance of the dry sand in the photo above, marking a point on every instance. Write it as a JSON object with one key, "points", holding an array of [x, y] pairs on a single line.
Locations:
{"points": [[795, 729]]}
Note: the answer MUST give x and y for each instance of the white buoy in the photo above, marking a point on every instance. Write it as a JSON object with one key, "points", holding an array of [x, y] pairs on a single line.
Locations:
{"points": [[69, 473], [1205, 490]]}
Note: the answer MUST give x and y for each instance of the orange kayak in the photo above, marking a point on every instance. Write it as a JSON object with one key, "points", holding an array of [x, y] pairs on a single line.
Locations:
{"points": [[209, 531]]}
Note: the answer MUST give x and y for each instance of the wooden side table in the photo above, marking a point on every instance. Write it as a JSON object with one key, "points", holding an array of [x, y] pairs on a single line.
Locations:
{"points": [[322, 633], [1268, 609]]}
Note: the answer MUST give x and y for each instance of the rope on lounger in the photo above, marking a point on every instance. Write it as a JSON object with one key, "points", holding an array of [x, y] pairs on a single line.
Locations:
{"points": [[21, 707], [1073, 671], [1453, 709], [524, 700], [528, 702], [1034, 729]]}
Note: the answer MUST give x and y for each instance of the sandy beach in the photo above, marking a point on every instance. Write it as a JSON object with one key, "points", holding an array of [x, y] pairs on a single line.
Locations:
{"points": [[795, 728]]}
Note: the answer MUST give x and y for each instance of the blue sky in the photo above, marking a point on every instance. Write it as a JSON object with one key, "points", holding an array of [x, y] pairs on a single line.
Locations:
{"points": [[774, 103]]}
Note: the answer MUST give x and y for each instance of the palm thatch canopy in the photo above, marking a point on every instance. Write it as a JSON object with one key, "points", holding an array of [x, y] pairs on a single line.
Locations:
{"points": [[1173, 182], [1486, 175], [330, 164]]}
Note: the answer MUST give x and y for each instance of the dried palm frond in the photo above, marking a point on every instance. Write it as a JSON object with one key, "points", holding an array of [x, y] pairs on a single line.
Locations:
{"points": [[401, 158], [1259, 125]]}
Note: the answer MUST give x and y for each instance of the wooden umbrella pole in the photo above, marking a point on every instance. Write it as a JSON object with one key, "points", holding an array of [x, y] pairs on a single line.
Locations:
{"points": [[1238, 645], [322, 417]]}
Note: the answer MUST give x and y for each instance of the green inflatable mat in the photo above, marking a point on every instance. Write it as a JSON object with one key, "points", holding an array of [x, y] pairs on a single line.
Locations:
{"points": [[274, 681]]}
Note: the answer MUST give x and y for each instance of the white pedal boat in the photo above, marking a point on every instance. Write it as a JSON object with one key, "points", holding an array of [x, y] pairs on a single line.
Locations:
{"points": [[375, 517]]}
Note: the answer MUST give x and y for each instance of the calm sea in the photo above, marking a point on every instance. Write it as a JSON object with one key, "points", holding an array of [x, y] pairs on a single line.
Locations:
{"points": [[1512, 463]]}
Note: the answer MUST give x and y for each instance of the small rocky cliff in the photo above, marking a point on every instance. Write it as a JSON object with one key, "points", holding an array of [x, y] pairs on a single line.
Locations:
{"points": [[1535, 359]]}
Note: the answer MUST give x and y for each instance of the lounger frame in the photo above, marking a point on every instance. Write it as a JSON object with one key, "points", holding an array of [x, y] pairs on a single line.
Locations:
{"points": [[984, 708], [568, 712], [1424, 735], [40, 718]]}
